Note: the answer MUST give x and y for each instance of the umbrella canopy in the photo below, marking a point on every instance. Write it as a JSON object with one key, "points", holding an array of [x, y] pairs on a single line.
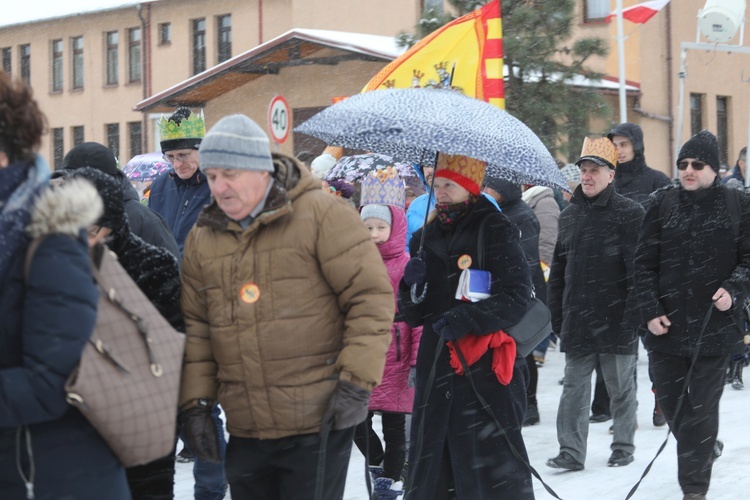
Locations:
{"points": [[355, 168], [415, 124], [146, 167]]}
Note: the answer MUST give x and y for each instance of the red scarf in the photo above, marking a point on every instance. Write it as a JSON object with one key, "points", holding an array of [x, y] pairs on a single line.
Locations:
{"points": [[474, 347]]}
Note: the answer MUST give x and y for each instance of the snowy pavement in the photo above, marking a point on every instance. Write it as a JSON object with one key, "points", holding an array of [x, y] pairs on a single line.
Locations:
{"points": [[597, 481]]}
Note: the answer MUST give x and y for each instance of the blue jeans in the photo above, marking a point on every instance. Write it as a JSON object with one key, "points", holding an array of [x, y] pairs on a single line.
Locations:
{"points": [[210, 482]]}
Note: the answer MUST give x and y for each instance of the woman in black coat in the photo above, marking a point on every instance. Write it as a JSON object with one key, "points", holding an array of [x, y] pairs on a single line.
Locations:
{"points": [[455, 444]]}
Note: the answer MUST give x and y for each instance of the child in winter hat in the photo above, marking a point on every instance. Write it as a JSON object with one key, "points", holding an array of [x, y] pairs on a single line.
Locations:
{"points": [[377, 219]]}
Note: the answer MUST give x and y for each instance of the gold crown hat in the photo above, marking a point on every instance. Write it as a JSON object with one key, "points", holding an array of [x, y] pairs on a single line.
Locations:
{"points": [[601, 151], [383, 187], [181, 130], [464, 171]]}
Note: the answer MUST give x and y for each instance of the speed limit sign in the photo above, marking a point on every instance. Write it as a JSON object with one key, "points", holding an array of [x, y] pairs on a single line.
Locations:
{"points": [[279, 119]]}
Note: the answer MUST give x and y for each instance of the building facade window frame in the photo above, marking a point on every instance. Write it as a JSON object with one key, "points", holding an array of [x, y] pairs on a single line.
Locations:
{"points": [[199, 45], [112, 131], [165, 33], [134, 55], [77, 135], [24, 57], [595, 11], [76, 49], [696, 113], [135, 136], [224, 37], [723, 104], [56, 63], [112, 51], [8, 60], [58, 147]]}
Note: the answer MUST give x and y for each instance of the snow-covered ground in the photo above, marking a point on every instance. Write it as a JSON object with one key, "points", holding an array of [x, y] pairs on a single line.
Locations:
{"points": [[598, 481]]}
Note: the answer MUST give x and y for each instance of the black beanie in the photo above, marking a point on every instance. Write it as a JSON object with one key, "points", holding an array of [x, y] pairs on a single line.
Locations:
{"points": [[110, 192], [702, 146], [91, 154]]}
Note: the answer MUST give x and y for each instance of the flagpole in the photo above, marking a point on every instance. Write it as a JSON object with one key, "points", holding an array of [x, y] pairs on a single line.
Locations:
{"points": [[621, 63]]}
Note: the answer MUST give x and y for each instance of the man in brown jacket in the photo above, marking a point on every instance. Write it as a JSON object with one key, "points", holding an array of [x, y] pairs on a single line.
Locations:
{"points": [[288, 310]]}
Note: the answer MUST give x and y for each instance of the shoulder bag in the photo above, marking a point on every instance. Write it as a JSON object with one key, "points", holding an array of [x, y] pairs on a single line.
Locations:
{"points": [[127, 382]]}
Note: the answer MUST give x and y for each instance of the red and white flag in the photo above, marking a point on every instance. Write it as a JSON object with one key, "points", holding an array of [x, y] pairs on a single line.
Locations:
{"points": [[640, 13]]}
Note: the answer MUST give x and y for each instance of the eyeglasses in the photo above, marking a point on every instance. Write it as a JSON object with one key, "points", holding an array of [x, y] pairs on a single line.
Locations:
{"points": [[181, 157], [697, 165]]}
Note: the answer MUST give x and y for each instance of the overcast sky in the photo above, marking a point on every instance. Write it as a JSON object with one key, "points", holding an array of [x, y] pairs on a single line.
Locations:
{"points": [[21, 11]]}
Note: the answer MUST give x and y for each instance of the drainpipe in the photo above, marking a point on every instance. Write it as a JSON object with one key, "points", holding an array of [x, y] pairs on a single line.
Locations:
{"points": [[260, 22], [146, 67], [670, 92]]}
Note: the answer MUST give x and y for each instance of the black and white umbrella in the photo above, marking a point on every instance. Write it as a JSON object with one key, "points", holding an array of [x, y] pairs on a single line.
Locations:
{"points": [[417, 123]]}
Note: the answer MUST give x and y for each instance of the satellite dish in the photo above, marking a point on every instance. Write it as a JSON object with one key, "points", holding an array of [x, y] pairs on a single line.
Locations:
{"points": [[719, 20]]}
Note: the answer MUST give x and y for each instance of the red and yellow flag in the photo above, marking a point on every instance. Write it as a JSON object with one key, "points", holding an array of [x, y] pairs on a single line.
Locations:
{"points": [[474, 43]]}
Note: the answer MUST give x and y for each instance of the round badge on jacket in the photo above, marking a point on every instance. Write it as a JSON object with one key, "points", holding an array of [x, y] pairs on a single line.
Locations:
{"points": [[249, 293], [464, 262]]}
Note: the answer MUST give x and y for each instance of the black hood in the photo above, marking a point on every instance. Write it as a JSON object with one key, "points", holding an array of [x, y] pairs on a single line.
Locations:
{"points": [[632, 132], [510, 192]]}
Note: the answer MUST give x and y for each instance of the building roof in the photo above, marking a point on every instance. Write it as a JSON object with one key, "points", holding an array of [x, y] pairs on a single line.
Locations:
{"points": [[37, 11], [300, 47], [297, 47]]}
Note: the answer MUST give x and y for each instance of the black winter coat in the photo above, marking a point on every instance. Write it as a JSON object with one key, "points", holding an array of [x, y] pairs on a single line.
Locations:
{"points": [[592, 274], [145, 223], [452, 417], [635, 180], [521, 214], [682, 259]]}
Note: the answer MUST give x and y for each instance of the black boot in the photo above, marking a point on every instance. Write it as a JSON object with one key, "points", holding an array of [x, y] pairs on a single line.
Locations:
{"points": [[737, 375]]}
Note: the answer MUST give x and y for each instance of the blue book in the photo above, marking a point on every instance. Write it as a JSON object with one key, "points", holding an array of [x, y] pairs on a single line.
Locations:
{"points": [[474, 285]]}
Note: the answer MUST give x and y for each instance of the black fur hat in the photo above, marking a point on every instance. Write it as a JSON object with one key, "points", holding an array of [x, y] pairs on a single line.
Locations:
{"points": [[110, 191], [702, 146]]}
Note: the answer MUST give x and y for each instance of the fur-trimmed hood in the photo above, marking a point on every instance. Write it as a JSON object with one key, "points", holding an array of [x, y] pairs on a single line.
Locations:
{"points": [[65, 209]]}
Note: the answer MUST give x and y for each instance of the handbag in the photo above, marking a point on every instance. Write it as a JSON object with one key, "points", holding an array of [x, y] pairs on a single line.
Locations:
{"points": [[127, 381], [536, 323]]}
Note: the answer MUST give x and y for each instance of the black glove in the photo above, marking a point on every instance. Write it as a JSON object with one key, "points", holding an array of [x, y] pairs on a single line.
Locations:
{"points": [[445, 330], [412, 377], [415, 271], [200, 432], [348, 406]]}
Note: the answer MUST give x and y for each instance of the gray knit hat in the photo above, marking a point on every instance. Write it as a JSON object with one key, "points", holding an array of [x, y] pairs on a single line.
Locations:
{"points": [[237, 143], [381, 212]]}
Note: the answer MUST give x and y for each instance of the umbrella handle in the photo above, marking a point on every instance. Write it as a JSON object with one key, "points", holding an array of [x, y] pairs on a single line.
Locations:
{"points": [[417, 299]]}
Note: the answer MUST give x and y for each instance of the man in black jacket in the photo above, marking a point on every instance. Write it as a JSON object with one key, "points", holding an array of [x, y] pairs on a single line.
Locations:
{"points": [[589, 286], [691, 262], [144, 222]]}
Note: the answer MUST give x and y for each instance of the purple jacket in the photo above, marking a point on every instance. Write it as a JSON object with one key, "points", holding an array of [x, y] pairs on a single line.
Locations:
{"points": [[393, 394]]}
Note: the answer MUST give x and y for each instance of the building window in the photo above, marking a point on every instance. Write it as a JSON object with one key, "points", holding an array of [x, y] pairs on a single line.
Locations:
{"points": [[112, 50], [57, 65], [77, 46], [58, 146], [134, 55], [77, 133], [696, 113], [7, 59], [224, 33], [113, 138], [165, 33], [199, 46], [136, 140], [595, 10], [722, 128], [25, 56]]}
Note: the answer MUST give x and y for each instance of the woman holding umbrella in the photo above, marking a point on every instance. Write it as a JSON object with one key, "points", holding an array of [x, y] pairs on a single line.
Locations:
{"points": [[458, 443]]}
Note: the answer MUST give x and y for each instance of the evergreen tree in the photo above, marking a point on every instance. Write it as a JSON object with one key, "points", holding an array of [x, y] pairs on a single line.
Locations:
{"points": [[539, 46]]}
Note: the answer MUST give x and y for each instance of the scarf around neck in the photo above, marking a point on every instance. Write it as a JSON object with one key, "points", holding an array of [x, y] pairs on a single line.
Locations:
{"points": [[20, 183], [448, 213]]}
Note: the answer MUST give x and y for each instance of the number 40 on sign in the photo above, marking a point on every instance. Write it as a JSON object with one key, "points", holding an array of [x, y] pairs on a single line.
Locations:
{"points": [[279, 119]]}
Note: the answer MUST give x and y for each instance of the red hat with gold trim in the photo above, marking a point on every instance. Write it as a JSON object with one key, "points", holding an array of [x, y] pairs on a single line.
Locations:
{"points": [[464, 171]]}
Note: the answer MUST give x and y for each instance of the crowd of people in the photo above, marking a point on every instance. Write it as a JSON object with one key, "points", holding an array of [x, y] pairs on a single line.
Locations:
{"points": [[308, 308]]}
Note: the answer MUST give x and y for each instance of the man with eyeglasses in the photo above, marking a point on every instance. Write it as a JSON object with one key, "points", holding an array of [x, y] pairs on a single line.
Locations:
{"points": [[691, 262], [180, 194]]}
